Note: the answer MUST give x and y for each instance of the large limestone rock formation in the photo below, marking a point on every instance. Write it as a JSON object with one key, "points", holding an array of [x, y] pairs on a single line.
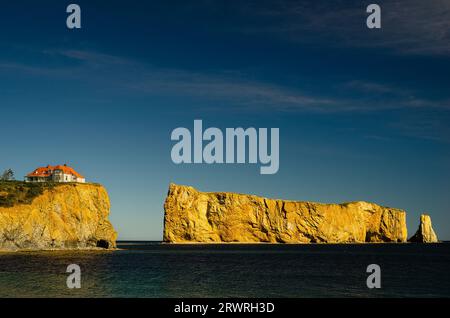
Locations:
{"points": [[62, 216], [197, 217], [425, 233]]}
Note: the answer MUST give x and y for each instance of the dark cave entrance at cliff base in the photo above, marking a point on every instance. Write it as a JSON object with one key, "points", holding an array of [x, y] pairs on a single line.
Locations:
{"points": [[103, 244]]}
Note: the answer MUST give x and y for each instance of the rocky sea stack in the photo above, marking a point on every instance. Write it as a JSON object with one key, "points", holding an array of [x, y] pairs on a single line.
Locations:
{"points": [[425, 232], [200, 217], [54, 216]]}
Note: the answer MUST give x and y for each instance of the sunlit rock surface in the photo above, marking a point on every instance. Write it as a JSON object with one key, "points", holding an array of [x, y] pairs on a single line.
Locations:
{"points": [[200, 217], [63, 216], [425, 233]]}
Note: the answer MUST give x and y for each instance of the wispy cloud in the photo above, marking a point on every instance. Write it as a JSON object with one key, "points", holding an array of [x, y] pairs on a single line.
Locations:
{"points": [[408, 26], [369, 87], [427, 128], [90, 57], [422, 118], [234, 87], [250, 95]]}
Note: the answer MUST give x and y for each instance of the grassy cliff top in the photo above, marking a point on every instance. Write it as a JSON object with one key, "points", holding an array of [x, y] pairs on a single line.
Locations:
{"points": [[18, 192]]}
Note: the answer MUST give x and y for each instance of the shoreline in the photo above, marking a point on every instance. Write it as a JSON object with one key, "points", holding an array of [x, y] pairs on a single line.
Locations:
{"points": [[81, 249], [99, 249], [270, 243]]}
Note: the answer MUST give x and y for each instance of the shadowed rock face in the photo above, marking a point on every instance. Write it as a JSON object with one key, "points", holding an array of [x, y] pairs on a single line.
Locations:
{"points": [[63, 216], [197, 217], [425, 233]]}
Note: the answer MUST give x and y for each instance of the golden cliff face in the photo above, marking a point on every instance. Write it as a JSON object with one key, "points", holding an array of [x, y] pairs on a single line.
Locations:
{"points": [[198, 217], [63, 216]]}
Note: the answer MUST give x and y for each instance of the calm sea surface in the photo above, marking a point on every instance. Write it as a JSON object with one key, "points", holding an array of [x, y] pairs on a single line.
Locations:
{"points": [[150, 269]]}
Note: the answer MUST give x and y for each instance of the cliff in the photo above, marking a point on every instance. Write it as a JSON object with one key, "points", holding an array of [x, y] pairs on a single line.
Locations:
{"points": [[54, 216], [425, 232], [197, 217]]}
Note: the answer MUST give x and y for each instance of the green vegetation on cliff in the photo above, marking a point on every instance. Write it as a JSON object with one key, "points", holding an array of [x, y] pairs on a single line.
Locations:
{"points": [[19, 192]]}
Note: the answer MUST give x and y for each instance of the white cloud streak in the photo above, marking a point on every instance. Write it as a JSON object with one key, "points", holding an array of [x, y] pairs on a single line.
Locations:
{"points": [[234, 88], [408, 26]]}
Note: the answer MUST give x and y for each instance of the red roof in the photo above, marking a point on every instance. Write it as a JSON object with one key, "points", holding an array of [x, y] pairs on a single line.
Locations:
{"points": [[48, 171]]}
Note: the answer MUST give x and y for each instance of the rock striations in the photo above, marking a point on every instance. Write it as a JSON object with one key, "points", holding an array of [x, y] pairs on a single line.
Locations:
{"points": [[198, 217], [66, 216], [425, 233]]}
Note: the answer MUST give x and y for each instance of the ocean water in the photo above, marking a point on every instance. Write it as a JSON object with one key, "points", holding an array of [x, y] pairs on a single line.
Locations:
{"points": [[151, 269]]}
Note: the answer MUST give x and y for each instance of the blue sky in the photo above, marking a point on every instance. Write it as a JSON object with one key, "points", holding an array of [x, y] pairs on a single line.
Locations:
{"points": [[363, 114]]}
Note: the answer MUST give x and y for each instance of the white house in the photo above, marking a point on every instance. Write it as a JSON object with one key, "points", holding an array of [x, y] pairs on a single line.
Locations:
{"points": [[58, 173]]}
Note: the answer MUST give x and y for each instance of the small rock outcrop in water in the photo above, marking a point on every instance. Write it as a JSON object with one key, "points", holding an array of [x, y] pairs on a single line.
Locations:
{"points": [[57, 217], [425, 233], [198, 217]]}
